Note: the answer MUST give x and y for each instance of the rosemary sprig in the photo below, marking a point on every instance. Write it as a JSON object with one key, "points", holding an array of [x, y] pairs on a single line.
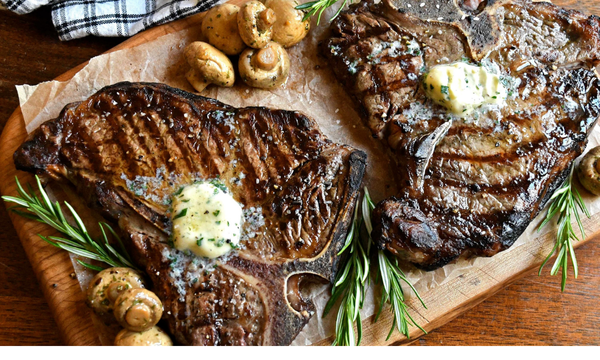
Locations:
{"points": [[77, 240], [353, 279], [392, 277], [350, 285], [319, 6], [566, 203]]}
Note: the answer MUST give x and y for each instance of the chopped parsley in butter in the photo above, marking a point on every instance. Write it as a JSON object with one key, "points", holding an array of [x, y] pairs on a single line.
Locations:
{"points": [[206, 219], [461, 88]]}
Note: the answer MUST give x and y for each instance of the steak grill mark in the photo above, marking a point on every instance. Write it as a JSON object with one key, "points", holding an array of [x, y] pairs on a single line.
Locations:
{"points": [[491, 172], [129, 147]]}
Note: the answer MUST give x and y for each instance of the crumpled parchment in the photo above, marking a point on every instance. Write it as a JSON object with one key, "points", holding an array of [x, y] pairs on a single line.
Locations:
{"points": [[311, 89]]}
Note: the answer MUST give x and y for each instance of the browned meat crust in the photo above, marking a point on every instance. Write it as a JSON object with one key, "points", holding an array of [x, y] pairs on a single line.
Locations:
{"points": [[130, 146], [470, 185]]}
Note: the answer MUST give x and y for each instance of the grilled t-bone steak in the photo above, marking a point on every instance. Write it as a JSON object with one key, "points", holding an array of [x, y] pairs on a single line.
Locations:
{"points": [[468, 185], [129, 147]]}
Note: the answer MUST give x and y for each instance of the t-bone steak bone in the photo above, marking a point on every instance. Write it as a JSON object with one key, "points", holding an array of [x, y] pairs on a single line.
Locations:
{"points": [[468, 186], [129, 147]]}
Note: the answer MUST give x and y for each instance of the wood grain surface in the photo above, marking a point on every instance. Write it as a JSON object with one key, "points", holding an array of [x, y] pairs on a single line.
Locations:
{"points": [[531, 311]]}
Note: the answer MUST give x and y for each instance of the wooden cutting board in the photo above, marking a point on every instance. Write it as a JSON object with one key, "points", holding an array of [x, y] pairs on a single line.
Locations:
{"points": [[62, 291]]}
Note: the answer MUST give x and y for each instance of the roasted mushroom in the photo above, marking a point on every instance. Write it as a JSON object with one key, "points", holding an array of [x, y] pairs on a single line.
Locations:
{"points": [[289, 29], [138, 309], [220, 27], [255, 24], [151, 337], [588, 171], [264, 68], [106, 287], [208, 66]]}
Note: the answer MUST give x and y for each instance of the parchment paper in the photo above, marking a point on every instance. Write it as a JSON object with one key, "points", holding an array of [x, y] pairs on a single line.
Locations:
{"points": [[311, 89]]}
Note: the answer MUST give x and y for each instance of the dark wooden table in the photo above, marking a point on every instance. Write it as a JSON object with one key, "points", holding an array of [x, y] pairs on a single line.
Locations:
{"points": [[532, 311]]}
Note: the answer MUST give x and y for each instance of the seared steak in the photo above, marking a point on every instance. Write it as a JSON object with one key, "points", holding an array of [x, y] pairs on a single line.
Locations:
{"points": [[129, 147], [468, 185]]}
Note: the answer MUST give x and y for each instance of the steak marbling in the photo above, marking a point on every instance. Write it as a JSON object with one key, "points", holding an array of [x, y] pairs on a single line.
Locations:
{"points": [[468, 185], [129, 147]]}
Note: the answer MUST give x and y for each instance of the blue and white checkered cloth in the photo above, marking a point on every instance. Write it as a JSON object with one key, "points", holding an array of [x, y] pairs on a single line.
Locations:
{"points": [[79, 18]]}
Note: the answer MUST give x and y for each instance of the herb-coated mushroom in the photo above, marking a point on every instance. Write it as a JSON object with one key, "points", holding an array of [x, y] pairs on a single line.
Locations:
{"points": [[264, 68], [138, 309], [151, 337], [220, 27], [289, 29], [588, 171], [255, 23], [208, 66], [106, 287]]}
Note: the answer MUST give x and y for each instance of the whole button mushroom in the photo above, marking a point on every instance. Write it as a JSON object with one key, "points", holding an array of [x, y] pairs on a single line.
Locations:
{"points": [[107, 286], [289, 29], [220, 27], [151, 337], [255, 24], [138, 309], [264, 68], [588, 171], [208, 66]]}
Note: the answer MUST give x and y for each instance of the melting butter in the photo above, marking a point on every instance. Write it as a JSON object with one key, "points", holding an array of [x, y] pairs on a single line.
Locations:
{"points": [[461, 88], [206, 219]]}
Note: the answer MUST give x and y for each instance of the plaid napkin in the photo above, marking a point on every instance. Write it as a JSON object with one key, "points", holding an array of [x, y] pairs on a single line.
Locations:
{"points": [[79, 18]]}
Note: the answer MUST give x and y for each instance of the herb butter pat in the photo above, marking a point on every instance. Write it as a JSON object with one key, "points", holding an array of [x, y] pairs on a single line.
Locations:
{"points": [[206, 219], [461, 88]]}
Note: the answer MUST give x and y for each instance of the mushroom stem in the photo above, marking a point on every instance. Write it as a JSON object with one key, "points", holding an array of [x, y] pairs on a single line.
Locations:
{"points": [[208, 65], [266, 19], [196, 80], [264, 68], [265, 59], [255, 24], [138, 315], [138, 309], [115, 289]]}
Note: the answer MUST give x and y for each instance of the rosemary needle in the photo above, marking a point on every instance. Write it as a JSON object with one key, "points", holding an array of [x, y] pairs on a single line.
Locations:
{"points": [[566, 203], [353, 279], [76, 240], [319, 6], [350, 285], [391, 277]]}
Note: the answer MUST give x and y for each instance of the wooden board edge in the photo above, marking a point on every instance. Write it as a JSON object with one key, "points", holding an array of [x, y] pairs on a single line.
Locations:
{"points": [[375, 333], [521, 262], [52, 266]]}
